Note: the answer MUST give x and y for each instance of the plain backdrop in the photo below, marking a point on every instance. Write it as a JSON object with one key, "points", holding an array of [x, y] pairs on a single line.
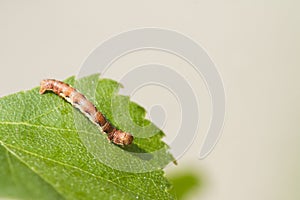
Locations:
{"points": [[255, 45]]}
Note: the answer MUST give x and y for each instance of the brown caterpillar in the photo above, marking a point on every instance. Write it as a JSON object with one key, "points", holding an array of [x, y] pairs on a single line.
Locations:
{"points": [[79, 101]]}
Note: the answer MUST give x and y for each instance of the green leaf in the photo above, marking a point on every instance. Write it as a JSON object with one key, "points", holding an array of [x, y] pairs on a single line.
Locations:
{"points": [[49, 150], [185, 182]]}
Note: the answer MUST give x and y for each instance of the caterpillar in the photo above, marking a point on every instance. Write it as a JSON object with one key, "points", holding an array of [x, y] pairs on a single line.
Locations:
{"points": [[80, 102]]}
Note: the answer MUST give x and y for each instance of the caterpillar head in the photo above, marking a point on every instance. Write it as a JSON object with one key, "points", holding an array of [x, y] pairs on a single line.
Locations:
{"points": [[46, 84]]}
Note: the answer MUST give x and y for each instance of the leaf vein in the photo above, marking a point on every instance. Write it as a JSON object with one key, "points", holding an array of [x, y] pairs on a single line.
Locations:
{"points": [[63, 164]]}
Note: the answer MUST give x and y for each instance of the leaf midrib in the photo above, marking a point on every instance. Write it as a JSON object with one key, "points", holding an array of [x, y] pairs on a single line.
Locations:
{"points": [[54, 161]]}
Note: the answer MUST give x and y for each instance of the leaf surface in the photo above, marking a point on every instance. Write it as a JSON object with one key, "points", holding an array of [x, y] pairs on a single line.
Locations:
{"points": [[49, 150]]}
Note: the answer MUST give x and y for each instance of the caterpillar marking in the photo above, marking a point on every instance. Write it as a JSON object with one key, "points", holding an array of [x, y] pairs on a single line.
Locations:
{"points": [[80, 102]]}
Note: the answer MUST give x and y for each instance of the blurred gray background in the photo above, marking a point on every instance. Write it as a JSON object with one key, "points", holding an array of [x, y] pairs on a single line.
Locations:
{"points": [[254, 44]]}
